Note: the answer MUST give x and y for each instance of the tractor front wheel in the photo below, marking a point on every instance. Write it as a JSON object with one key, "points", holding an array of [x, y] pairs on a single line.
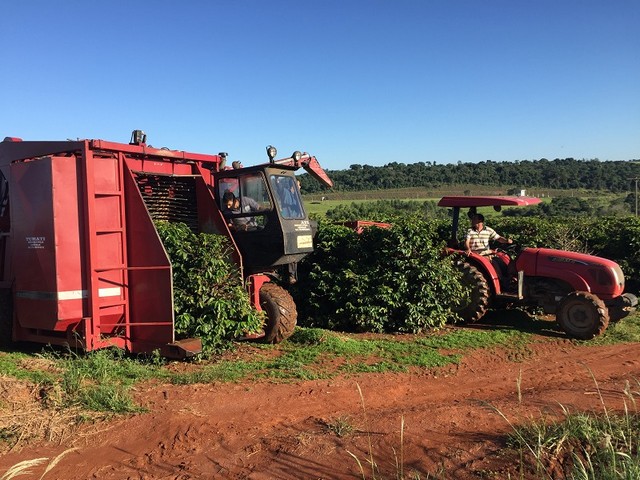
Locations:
{"points": [[479, 294], [582, 315], [282, 315]]}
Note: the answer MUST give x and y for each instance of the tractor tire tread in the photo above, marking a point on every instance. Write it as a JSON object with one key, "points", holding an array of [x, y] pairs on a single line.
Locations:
{"points": [[282, 315], [480, 293], [599, 310]]}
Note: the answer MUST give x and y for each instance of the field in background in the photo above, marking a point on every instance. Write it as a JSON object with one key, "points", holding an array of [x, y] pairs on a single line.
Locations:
{"points": [[319, 204]]}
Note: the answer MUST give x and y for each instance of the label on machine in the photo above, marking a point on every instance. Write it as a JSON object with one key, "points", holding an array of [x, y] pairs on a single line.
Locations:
{"points": [[305, 241]]}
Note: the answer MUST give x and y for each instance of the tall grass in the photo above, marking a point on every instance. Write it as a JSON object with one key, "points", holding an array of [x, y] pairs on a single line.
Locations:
{"points": [[22, 468], [583, 446]]}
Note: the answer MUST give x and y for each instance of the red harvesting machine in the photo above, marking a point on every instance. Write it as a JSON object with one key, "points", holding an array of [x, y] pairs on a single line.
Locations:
{"points": [[81, 263]]}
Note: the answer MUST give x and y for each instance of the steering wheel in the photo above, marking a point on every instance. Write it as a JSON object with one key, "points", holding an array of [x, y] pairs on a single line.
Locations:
{"points": [[511, 249]]}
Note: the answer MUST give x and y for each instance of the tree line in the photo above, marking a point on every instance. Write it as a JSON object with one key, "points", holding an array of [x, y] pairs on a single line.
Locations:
{"points": [[567, 173]]}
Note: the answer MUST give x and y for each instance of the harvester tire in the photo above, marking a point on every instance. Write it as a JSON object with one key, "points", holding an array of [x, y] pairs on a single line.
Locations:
{"points": [[6, 317], [480, 294], [282, 315], [582, 315]]}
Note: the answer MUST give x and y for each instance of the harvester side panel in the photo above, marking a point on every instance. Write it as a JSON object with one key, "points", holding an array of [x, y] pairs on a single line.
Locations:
{"points": [[150, 276], [210, 217], [82, 252], [34, 250]]}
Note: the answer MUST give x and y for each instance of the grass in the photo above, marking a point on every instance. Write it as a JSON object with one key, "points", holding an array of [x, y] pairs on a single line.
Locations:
{"points": [[22, 468], [340, 426], [314, 204], [623, 331], [582, 446], [21, 366], [101, 381]]}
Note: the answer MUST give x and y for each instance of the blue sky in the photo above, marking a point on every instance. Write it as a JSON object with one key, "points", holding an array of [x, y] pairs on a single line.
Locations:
{"points": [[350, 81]]}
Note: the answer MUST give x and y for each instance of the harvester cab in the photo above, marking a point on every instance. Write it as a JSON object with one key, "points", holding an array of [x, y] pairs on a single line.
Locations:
{"points": [[583, 291], [264, 211]]}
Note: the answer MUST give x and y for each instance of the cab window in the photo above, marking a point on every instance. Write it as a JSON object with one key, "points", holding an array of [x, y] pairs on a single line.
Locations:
{"points": [[287, 196], [244, 201]]}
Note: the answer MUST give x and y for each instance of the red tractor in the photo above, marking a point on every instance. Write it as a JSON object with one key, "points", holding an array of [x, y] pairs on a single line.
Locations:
{"points": [[81, 262], [583, 291]]}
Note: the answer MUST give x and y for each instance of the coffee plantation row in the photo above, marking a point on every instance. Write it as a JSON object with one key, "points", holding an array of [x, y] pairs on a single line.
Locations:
{"points": [[382, 280]]}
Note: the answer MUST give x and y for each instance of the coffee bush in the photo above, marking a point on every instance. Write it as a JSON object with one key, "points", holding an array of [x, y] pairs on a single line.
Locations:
{"points": [[382, 280], [210, 301]]}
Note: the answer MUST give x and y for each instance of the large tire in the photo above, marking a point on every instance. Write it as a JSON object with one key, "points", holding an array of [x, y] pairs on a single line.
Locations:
{"points": [[282, 315], [582, 315], [6, 317], [479, 296]]}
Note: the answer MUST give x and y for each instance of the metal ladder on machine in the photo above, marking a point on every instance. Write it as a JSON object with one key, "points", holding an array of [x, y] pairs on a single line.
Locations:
{"points": [[98, 272], [153, 325]]}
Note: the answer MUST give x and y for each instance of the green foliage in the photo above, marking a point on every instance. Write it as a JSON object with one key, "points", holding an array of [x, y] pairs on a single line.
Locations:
{"points": [[575, 206], [396, 279], [209, 297], [385, 210], [383, 280]]}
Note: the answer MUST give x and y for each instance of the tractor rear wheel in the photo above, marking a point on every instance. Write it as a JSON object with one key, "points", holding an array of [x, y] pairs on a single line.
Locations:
{"points": [[582, 315], [479, 294], [282, 315], [6, 317]]}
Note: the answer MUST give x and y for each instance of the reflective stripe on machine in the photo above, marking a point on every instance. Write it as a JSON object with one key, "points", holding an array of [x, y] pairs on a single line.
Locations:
{"points": [[68, 294]]}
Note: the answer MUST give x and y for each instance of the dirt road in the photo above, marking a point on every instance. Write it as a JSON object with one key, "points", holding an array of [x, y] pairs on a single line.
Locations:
{"points": [[423, 422]]}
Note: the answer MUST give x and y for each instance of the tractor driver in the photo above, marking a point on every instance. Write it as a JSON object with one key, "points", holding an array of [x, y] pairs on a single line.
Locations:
{"points": [[477, 241], [232, 205], [479, 236]]}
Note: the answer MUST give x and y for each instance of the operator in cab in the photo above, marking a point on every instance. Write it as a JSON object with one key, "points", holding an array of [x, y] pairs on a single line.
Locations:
{"points": [[232, 205]]}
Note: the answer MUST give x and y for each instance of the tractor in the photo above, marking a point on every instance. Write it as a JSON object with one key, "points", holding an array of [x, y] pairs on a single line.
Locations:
{"points": [[82, 264], [584, 292]]}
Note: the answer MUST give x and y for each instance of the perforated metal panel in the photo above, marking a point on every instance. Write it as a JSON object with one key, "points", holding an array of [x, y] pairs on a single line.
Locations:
{"points": [[170, 197]]}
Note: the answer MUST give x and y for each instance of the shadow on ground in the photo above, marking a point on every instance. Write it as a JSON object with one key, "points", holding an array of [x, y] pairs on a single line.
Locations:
{"points": [[518, 320]]}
